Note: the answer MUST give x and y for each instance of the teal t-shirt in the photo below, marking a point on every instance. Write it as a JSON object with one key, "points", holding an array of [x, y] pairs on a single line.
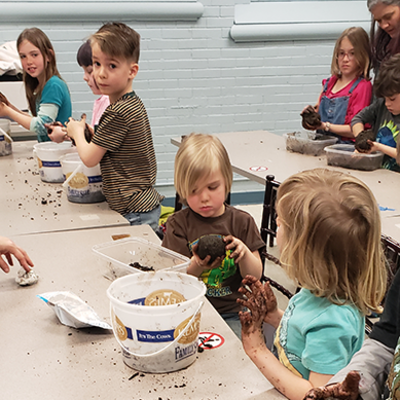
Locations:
{"points": [[56, 92], [317, 335]]}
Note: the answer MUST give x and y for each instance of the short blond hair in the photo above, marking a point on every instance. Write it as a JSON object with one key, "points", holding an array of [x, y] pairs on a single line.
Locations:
{"points": [[332, 237], [198, 156]]}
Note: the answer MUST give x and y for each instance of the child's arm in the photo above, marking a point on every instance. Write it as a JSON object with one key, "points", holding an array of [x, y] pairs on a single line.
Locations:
{"points": [[16, 115], [357, 128], [8, 248], [388, 150], [249, 262], [337, 129], [90, 153], [289, 384]]}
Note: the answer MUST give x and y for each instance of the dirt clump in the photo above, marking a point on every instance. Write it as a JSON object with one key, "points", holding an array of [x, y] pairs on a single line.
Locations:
{"points": [[212, 245], [311, 120], [362, 139], [143, 268]]}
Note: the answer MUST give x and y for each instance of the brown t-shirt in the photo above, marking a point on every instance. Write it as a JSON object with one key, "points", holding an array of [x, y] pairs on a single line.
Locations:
{"points": [[185, 227]]}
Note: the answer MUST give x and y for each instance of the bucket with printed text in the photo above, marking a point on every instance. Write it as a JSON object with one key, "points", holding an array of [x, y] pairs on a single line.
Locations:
{"points": [[156, 319], [48, 156], [5, 138], [86, 186]]}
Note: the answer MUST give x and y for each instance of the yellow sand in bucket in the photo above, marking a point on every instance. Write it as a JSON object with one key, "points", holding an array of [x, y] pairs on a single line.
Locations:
{"points": [[162, 335]]}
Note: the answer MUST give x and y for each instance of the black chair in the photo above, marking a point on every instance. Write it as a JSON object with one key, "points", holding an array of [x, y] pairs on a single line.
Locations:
{"points": [[268, 230], [268, 219]]}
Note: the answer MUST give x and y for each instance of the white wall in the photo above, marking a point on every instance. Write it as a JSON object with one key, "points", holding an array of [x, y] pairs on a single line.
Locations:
{"points": [[194, 77]]}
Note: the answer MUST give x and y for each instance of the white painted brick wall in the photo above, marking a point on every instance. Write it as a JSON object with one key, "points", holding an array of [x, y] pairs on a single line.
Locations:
{"points": [[194, 78]]}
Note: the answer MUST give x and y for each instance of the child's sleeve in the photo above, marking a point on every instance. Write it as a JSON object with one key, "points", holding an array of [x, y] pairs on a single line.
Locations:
{"points": [[51, 100], [360, 99], [332, 339], [249, 233], [368, 115], [47, 113], [175, 237]]}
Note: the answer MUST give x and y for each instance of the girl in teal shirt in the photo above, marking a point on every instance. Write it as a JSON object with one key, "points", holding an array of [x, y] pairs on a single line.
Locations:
{"points": [[329, 238], [47, 94]]}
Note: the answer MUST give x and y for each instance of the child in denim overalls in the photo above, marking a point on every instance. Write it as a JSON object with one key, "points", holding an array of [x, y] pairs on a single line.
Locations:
{"points": [[349, 89]]}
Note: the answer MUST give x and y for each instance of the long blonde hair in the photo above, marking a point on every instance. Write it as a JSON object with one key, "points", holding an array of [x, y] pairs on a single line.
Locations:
{"points": [[199, 156], [332, 237], [32, 86]]}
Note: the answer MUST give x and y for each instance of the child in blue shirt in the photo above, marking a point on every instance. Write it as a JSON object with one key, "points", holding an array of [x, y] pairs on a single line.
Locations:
{"points": [[384, 114], [329, 238]]}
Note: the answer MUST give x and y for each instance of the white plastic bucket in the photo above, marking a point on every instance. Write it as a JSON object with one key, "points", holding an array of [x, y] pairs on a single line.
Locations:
{"points": [[5, 142], [48, 157], [87, 185], [157, 338]]}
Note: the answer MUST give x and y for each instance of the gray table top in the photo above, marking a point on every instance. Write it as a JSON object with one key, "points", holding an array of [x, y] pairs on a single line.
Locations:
{"points": [[41, 359], [22, 192]]}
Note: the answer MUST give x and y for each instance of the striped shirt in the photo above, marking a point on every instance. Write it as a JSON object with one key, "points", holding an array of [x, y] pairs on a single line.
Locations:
{"points": [[128, 167]]}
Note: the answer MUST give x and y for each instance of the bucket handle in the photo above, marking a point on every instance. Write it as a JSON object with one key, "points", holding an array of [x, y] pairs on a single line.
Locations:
{"points": [[169, 344]]}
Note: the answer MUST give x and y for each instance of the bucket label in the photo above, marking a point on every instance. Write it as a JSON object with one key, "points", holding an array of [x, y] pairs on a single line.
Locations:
{"points": [[162, 297], [95, 179], [51, 164], [155, 336], [78, 193], [123, 332], [191, 332], [182, 352], [79, 181]]}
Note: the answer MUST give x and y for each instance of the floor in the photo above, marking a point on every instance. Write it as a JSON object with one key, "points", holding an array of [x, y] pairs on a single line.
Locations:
{"points": [[271, 270]]}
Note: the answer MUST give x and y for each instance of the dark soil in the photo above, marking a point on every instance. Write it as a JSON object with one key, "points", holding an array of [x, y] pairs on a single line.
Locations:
{"points": [[212, 245], [361, 143], [141, 267], [310, 118]]}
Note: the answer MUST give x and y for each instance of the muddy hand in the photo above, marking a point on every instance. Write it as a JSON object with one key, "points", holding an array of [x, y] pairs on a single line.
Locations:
{"points": [[256, 301], [346, 390]]}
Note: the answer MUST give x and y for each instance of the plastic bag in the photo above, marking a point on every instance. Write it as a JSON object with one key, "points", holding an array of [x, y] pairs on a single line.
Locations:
{"points": [[72, 311]]}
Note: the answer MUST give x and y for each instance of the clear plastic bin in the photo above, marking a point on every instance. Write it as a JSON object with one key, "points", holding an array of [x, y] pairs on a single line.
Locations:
{"points": [[310, 143], [116, 256], [342, 155]]}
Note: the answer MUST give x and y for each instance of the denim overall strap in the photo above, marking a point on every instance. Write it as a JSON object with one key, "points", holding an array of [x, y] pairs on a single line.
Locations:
{"points": [[335, 110]]}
